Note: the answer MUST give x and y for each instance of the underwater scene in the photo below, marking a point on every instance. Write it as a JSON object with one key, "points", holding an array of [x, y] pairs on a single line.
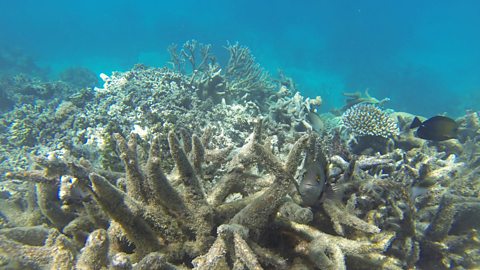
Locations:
{"points": [[239, 134]]}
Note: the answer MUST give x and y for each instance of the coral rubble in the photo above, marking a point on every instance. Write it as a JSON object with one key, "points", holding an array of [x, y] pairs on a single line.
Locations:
{"points": [[200, 166]]}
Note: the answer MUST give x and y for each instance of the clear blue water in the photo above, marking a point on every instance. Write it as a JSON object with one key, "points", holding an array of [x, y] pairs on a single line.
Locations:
{"points": [[424, 55]]}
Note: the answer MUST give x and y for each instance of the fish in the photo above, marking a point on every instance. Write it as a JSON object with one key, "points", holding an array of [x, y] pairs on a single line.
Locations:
{"points": [[313, 184], [316, 122], [313, 179], [437, 128]]}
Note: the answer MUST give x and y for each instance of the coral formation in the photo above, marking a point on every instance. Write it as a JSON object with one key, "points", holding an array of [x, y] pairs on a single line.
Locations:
{"points": [[154, 216], [203, 167], [369, 120], [369, 127]]}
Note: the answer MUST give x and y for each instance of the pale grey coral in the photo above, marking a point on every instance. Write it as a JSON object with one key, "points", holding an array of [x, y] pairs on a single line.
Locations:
{"points": [[146, 101], [244, 74], [242, 78], [329, 252], [197, 54], [169, 218], [143, 100], [170, 199], [423, 196], [55, 251], [369, 120]]}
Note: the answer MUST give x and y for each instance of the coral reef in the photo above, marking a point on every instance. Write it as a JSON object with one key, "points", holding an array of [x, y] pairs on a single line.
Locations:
{"points": [[148, 101], [203, 167], [175, 215]]}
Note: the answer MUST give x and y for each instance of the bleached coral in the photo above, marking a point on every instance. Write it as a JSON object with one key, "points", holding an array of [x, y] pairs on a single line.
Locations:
{"points": [[169, 218], [227, 199]]}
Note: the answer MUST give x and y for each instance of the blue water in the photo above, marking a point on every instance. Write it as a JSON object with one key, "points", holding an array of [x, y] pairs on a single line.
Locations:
{"points": [[424, 55]]}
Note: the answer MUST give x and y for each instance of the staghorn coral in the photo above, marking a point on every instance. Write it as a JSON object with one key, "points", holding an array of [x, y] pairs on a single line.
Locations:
{"points": [[168, 219], [372, 195], [197, 54], [423, 196], [328, 252], [142, 100], [162, 99], [244, 75], [31, 125], [230, 198], [291, 113], [54, 251], [241, 79]]}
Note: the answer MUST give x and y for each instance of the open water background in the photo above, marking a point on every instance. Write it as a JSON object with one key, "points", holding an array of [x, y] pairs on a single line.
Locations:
{"points": [[424, 55]]}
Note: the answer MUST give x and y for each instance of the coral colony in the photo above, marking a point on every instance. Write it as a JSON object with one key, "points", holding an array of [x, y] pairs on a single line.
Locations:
{"points": [[209, 166]]}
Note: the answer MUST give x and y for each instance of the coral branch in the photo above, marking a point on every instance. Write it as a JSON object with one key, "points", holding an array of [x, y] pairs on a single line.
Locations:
{"points": [[162, 191], [341, 217], [135, 180], [127, 212], [95, 253], [186, 171]]}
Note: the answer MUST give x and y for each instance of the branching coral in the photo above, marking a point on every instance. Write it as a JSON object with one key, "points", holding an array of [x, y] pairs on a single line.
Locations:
{"points": [[328, 252], [280, 197], [423, 196], [197, 54], [242, 78], [244, 74], [370, 216], [169, 218]]}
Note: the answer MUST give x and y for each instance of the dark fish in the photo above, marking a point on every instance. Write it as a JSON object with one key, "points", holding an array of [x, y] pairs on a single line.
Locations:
{"points": [[437, 128], [314, 179], [313, 184]]}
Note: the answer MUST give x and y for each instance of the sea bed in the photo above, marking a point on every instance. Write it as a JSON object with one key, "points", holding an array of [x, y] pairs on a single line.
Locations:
{"points": [[200, 165]]}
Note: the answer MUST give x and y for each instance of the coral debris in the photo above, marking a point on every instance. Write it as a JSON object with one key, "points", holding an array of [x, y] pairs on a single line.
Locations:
{"points": [[209, 167]]}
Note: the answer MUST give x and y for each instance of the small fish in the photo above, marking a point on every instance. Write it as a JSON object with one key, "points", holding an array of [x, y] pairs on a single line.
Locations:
{"points": [[313, 179], [313, 183], [316, 122], [437, 128], [417, 191]]}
